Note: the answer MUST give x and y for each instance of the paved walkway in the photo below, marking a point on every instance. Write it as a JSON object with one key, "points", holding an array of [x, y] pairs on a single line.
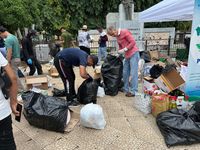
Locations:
{"points": [[126, 129]]}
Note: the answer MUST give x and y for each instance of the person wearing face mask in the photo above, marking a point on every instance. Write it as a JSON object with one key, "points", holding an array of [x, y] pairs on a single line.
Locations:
{"points": [[29, 55]]}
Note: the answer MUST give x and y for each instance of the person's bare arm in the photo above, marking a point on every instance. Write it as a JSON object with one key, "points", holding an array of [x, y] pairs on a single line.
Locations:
{"points": [[83, 72], [13, 89], [9, 54]]}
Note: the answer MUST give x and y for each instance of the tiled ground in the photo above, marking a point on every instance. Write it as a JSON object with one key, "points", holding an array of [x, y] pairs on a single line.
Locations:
{"points": [[126, 129]]}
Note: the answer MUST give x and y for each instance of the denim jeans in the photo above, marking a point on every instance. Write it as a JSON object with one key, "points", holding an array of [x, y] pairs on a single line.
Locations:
{"points": [[130, 73], [15, 63], [6, 135], [102, 53]]}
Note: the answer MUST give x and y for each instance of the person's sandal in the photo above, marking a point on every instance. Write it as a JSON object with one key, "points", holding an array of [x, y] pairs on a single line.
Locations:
{"points": [[129, 94]]}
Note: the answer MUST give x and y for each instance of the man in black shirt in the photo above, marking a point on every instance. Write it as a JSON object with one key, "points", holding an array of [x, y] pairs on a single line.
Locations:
{"points": [[64, 62], [29, 55]]}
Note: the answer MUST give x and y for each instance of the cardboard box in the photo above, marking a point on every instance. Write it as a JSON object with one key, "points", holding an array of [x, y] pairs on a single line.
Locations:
{"points": [[169, 81], [53, 72], [155, 54], [39, 81], [97, 72], [97, 69]]}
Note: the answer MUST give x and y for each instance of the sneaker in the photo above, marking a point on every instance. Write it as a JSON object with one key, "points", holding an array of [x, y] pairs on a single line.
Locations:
{"points": [[129, 94]]}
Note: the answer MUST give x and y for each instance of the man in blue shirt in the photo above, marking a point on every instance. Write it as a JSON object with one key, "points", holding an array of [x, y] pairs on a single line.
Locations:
{"points": [[64, 62]]}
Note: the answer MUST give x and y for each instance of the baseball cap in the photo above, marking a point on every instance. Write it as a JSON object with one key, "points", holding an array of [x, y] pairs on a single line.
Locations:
{"points": [[95, 60], [84, 27]]}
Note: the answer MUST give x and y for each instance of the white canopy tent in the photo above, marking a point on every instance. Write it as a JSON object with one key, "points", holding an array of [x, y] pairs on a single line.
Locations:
{"points": [[169, 10]]}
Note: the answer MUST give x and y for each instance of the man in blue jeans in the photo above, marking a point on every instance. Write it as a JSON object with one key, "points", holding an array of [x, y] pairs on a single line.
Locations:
{"points": [[127, 46], [102, 51], [6, 107]]}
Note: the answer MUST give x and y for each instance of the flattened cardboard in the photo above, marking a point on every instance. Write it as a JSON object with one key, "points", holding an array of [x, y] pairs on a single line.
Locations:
{"points": [[40, 81], [75, 117]]}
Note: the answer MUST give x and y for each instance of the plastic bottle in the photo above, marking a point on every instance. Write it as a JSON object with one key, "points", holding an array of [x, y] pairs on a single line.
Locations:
{"points": [[172, 104]]}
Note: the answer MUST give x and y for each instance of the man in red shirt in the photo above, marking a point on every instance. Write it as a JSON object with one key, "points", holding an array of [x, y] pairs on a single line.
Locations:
{"points": [[127, 46]]}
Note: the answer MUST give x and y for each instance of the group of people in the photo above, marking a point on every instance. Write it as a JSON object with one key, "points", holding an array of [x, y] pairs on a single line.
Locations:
{"points": [[69, 57], [127, 47], [84, 40], [64, 62]]}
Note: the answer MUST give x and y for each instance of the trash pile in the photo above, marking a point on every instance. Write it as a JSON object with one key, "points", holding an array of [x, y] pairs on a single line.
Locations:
{"points": [[163, 96]]}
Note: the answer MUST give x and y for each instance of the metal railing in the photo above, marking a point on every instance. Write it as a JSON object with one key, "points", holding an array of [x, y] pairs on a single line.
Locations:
{"points": [[111, 46], [165, 46]]}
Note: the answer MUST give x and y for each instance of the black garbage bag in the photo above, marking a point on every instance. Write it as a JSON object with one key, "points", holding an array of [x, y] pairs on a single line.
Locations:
{"points": [[146, 56], [45, 112], [168, 68], [156, 71], [180, 127], [112, 70], [20, 74], [58, 93], [87, 92]]}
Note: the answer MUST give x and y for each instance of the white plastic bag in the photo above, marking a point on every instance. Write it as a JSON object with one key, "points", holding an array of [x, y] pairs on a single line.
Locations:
{"points": [[141, 65], [100, 92], [143, 103], [91, 116]]}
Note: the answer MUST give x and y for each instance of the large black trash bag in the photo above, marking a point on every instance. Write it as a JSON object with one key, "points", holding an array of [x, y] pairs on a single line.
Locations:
{"points": [[45, 112], [58, 93], [168, 68], [87, 92], [112, 70], [156, 71], [180, 127]]}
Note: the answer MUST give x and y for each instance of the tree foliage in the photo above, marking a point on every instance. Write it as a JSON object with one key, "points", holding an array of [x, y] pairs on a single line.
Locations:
{"points": [[13, 15], [50, 15], [90, 12]]}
